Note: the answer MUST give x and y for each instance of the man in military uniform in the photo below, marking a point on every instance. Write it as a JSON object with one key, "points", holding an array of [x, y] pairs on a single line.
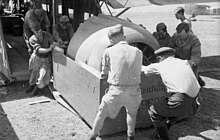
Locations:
{"points": [[161, 35], [63, 32], [181, 85], [121, 66]]}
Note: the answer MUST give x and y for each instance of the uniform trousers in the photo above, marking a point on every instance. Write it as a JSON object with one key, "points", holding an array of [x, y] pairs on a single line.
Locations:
{"points": [[174, 108], [113, 101], [40, 70]]}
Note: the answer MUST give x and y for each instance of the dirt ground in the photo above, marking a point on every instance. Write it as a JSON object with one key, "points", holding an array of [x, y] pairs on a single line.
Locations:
{"points": [[51, 121]]}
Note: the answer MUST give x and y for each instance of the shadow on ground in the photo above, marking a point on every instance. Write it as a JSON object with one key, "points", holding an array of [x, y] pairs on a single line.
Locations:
{"points": [[210, 67], [202, 121], [6, 129], [16, 91]]}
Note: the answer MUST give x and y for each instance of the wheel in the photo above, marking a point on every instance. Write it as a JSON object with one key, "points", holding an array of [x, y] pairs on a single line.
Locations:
{"points": [[148, 53]]}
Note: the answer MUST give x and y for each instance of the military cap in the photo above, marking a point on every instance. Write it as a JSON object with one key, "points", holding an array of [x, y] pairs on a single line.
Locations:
{"points": [[115, 30], [37, 5], [179, 10], [161, 26], [164, 50], [64, 18]]}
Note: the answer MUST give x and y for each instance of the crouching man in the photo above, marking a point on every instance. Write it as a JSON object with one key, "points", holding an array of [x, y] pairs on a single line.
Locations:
{"points": [[121, 66], [182, 86], [63, 32], [40, 60]]}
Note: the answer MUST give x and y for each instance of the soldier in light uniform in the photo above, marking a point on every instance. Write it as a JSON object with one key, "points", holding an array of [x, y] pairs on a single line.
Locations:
{"points": [[181, 85], [40, 60], [121, 66], [179, 13]]}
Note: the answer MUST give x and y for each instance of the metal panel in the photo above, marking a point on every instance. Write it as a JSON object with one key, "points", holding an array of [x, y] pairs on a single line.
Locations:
{"points": [[95, 24]]}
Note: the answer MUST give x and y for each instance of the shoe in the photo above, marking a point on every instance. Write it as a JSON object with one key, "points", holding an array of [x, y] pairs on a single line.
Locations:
{"points": [[163, 133], [130, 138], [92, 137], [30, 88], [201, 82], [35, 91]]}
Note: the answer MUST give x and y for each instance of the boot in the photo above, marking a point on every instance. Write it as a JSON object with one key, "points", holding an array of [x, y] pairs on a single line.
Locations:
{"points": [[130, 138], [30, 88], [163, 133], [35, 91], [156, 135], [93, 137], [201, 82]]}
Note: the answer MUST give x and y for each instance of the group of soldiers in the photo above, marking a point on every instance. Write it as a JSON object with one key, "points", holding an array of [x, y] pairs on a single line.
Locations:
{"points": [[41, 42], [177, 62], [184, 41]]}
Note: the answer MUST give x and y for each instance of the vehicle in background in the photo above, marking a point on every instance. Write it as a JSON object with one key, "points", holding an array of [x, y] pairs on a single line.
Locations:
{"points": [[198, 9]]}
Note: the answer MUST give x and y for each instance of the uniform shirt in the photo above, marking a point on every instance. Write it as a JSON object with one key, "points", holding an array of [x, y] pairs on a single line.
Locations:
{"points": [[36, 43], [190, 49], [63, 34], [30, 20], [176, 74], [163, 41], [122, 63]]}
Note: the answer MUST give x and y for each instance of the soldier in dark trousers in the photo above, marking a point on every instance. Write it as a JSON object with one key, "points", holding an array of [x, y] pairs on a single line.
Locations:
{"points": [[181, 85]]}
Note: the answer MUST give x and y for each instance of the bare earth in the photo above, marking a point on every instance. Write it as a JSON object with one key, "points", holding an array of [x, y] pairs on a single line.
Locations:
{"points": [[51, 121]]}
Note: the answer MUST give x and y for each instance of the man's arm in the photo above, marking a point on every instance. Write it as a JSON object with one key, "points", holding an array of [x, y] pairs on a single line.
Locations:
{"points": [[34, 42], [150, 69], [172, 41], [195, 52], [46, 21], [37, 47], [105, 65], [71, 32]]}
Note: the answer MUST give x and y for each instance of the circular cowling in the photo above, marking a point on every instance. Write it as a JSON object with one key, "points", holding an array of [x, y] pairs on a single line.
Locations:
{"points": [[98, 39], [92, 49]]}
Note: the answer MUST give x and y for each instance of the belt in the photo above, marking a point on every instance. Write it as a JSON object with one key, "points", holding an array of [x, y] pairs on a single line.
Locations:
{"points": [[123, 86]]}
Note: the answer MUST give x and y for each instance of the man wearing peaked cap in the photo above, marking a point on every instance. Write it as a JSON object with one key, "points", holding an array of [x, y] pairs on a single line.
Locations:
{"points": [[118, 62], [182, 88], [164, 50]]}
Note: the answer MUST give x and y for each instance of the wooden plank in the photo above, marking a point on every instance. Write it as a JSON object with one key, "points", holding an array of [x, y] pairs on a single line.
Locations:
{"points": [[77, 84], [80, 85], [39, 101]]}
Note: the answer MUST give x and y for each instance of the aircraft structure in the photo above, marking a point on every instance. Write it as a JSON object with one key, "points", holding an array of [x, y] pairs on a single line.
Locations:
{"points": [[77, 74]]}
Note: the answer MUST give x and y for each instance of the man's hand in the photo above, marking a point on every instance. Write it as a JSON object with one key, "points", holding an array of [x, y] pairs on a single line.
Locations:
{"points": [[60, 42], [30, 51], [66, 42], [192, 64], [51, 47], [103, 81]]}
